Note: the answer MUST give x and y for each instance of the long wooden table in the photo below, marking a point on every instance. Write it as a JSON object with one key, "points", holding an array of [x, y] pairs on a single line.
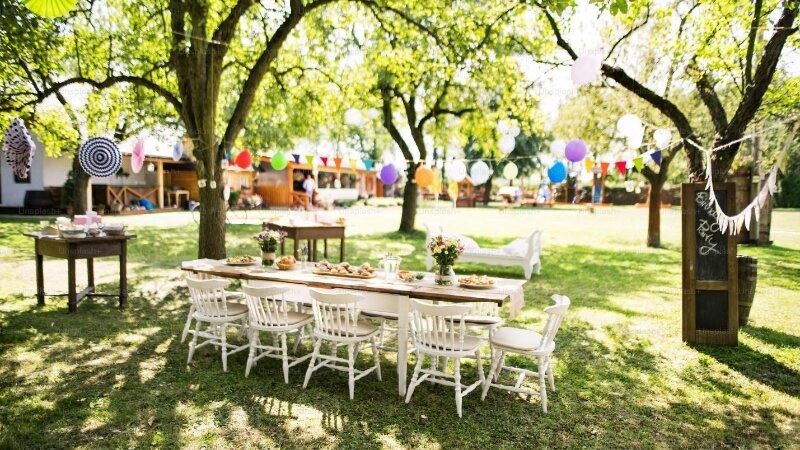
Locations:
{"points": [[380, 295], [86, 248], [310, 234]]}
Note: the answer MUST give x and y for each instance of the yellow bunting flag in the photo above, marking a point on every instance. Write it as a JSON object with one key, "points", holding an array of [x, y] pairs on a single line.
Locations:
{"points": [[353, 165], [310, 160], [588, 163]]}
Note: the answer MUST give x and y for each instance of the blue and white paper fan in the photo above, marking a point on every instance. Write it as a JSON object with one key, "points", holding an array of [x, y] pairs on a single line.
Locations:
{"points": [[100, 157]]}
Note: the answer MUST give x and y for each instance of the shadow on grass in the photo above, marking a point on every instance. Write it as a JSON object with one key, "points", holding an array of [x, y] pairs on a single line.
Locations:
{"points": [[757, 366]]}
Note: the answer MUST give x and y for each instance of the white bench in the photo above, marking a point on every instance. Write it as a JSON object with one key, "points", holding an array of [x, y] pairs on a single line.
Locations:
{"points": [[524, 252]]}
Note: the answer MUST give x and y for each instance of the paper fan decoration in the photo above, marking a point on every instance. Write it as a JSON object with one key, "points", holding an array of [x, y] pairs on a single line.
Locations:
{"points": [[177, 151], [51, 8], [19, 147], [137, 156], [100, 157]]}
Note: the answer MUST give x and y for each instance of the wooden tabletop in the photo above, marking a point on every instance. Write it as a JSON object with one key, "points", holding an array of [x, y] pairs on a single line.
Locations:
{"points": [[303, 225], [422, 289], [104, 238]]}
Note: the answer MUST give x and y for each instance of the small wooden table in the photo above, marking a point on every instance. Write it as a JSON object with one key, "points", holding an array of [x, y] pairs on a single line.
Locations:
{"points": [[310, 233], [177, 194], [86, 248]]}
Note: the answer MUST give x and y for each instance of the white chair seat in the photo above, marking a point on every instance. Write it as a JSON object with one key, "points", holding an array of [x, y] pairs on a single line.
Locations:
{"points": [[436, 343], [517, 339], [482, 320], [234, 309], [361, 329]]}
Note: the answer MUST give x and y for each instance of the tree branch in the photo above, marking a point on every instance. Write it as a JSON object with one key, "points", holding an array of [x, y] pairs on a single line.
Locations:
{"points": [[751, 44], [630, 32], [712, 102]]}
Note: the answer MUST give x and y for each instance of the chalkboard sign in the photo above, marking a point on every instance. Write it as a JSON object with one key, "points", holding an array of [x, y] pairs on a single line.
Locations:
{"points": [[712, 252], [710, 285]]}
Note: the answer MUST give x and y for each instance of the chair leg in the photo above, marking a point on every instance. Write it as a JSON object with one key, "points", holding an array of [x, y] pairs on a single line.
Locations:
{"points": [[242, 329], [550, 374], [193, 344], [413, 383], [479, 364], [542, 385], [487, 382], [376, 358], [253, 336], [457, 381], [285, 353], [187, 325], [314, 356], [351, 374], [496, 374], [224, 337], [300, 336]]}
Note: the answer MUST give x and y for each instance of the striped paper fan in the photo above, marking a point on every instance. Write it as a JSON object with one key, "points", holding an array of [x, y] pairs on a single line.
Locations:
{"points": [[51, 8], [19, 148], [100, 157]]}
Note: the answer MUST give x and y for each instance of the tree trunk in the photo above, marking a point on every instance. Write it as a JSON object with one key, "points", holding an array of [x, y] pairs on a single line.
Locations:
{"points": [[80, 187], [654, 214], [211, 242], [409, 213], [487, 192]]}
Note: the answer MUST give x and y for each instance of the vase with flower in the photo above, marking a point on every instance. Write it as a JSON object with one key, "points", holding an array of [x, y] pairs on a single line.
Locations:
{"points": [[268, 241], [445, 251]]}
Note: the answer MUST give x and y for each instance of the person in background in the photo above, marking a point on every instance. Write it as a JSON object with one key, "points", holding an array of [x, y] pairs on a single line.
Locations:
{"points": [[310, 186]]}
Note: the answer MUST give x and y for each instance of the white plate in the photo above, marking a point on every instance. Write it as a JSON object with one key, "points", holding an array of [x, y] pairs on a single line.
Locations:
{"points": [[476, 286]]}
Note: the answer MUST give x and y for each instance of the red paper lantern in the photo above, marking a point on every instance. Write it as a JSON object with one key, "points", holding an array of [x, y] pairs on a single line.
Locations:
{"points": [[244, 159]]}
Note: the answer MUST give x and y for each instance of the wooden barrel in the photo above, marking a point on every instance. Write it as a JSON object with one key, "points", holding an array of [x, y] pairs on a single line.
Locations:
{"points": [[748, 273]]}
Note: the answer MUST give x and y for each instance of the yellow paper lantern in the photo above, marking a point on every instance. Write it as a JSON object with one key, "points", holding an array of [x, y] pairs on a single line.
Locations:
{"points": [[452, 191], [436, 186]]}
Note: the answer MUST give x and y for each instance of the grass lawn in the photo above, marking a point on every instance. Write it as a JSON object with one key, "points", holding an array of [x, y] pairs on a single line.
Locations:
{"points": [[109, 379]]}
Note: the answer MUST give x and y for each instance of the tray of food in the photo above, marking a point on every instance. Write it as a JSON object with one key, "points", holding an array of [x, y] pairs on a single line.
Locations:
{"points": [[344, 269], [245, 260], [408, 276], [286, 262], [476, 282]]}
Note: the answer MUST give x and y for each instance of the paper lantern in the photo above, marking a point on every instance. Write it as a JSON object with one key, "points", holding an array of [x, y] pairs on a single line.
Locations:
{"points": [[177, 151], [137, 156], [389, 174], [353, 117], [558, 148], [436, 187], [244, 159], [585, 69], [19, 148], [507, 144], [457, 171], [635, 141], [536, 178], [100, 157], [423, 176], [662, 136], [226, 192], [51, 8], [510, 171], [452, 191], [575, 150], [279, 161], [480, 173], [372, 113], [629, 125], [557, 172]]}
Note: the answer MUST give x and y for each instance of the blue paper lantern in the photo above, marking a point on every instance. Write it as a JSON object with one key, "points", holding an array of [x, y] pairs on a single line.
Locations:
{"points": [[557, 172]]}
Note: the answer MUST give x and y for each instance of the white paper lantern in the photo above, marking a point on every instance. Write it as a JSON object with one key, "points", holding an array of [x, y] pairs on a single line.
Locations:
{"points": [[372, 113], [479, 172], [585, 69], [457, 171], [587, 177], [662, 136], [536, 178], [353, 117], [634, 141], [510, 171], [503, 126], [557, 148], [629, 125], [507, 143]]}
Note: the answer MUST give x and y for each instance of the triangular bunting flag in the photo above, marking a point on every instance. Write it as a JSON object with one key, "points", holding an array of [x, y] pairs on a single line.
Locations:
{"points": [[621, 167], [338, 163], [296, 158], [656, 157], [353, 165], [604, 168], [324, 160], [638, 162], [310, 160], [368, 164], [588, 163]]}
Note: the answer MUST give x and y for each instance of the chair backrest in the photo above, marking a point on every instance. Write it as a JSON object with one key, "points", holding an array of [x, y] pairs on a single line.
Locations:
{"points": [[484, 309], [335, 312], [267, 305], [438, 326], [555, 314], [208, 296], [534, 244]]}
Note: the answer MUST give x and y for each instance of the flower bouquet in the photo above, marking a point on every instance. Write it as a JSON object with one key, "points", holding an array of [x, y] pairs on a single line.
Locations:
{"points": [[445, 252], [269, 240]]}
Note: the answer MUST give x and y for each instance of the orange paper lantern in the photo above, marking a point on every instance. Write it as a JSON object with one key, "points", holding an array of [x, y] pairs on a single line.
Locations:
{"points": [[423, 176]]}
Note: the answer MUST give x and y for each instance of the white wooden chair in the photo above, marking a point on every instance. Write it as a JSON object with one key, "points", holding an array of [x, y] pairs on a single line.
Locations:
{"points": [[212, 307], [524, 252], [270, 312], [528, 343], [229, 295], [336, 321], [440, 331]]}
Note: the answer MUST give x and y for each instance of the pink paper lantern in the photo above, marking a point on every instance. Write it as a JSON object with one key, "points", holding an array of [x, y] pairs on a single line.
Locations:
{"points": [[575, 150], [137, 156]]}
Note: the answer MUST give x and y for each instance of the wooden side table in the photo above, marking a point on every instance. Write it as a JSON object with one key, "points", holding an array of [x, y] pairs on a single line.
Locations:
{"points": [[310, 234], [177, 194], [86, 248]]}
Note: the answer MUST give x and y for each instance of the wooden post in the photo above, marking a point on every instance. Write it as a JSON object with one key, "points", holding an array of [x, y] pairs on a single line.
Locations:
{"points": [[89, 195], [160, 177]]}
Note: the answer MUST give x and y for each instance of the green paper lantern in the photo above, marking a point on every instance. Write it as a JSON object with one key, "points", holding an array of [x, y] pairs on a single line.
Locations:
{"points": [[51, 8], [278, 161]]}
